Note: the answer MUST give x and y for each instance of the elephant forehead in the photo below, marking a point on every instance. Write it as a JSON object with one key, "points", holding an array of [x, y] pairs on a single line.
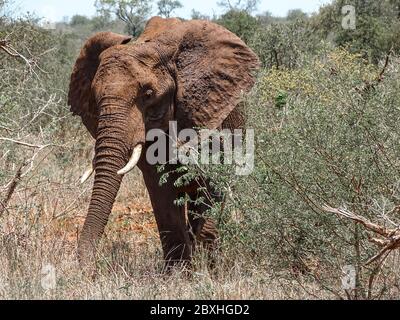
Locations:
{"points": [[114, 82], [157, 26]]}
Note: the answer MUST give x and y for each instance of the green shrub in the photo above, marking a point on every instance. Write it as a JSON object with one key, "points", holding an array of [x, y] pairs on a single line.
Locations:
{"points": [[284, 44], [330, 143], [240, 22], [376, 32]]}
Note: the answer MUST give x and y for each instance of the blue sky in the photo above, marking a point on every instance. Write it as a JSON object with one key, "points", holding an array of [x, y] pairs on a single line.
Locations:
{"points": [[55, 10]]}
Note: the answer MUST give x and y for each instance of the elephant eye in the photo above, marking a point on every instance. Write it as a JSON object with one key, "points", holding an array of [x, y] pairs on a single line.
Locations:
{"points": [[149, 93]]}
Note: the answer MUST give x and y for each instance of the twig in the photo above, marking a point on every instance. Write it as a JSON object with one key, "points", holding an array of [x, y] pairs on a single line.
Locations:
{"points": [[29, 162], [30, 63], [391, 237], [29, 145], [71, 206], [349, 215], [11, 189], [368, 86]]}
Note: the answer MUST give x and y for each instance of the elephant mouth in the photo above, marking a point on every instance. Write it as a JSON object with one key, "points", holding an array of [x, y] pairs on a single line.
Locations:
{"points": [[133, 161]]}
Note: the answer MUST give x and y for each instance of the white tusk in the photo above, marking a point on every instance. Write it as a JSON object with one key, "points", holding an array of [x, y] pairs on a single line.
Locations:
{"points": [[137, 152], [88, 173]]}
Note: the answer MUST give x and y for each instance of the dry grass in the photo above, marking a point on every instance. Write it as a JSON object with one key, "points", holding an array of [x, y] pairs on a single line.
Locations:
{"points": [[41, 227], [43, 220]]}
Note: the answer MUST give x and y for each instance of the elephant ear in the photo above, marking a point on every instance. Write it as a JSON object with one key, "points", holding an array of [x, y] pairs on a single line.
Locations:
{"points": [[214, 69], [80, 96]]}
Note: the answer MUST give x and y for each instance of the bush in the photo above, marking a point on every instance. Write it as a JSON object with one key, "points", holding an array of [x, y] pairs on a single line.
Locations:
{"points": [[284, 44], [325, 114], [34, 77], [377, 27], [332, 140], [240, 22]]}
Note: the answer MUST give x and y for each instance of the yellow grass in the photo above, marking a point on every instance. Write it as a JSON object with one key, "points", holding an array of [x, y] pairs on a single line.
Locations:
{"points": [[41, 226]]}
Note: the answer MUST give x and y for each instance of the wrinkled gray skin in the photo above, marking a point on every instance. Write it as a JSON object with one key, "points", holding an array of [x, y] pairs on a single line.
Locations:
{"points": [[191, 72]]}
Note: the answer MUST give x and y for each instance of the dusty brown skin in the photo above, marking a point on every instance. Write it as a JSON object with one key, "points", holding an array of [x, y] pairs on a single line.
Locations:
{"points": [[193, 72]]}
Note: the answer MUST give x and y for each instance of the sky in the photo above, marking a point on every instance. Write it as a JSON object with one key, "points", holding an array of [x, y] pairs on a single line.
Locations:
{"points": [[56, 10]]}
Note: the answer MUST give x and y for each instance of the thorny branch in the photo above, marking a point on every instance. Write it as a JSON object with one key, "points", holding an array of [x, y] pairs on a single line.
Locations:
{"points": [[12, 185], [11, 189], [32, 63], [368, 86], [27, 165], [29, 145], [390, 238]]}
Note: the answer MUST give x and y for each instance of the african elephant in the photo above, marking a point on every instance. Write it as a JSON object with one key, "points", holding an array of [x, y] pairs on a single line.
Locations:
{"points": [[192, 72]]}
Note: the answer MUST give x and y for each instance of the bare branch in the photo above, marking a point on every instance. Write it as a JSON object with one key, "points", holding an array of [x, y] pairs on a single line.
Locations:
{"points": [[368, 86], [29, 145], [31, 63], [349, 215], [11, 189], [391, 237]]}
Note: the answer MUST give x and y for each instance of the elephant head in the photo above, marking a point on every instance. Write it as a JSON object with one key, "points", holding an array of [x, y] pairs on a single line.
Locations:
{"points": [[191, 72]]}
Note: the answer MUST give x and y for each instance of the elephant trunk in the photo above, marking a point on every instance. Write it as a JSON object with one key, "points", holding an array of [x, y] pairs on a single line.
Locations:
{"points": [[114, 147]]}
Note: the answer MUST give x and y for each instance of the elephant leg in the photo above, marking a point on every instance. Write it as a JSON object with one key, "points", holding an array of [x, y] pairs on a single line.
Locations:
{"points": [[203, 230], [171, 220]]}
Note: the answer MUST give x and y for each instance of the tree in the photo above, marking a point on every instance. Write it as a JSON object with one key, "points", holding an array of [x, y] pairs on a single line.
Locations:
{"points": [[100, 22], [239, 5], [265, 18], [396, 6], [79, 20], [134, 13], [376, 32], [166, 7], [197, 15], [283, 45], [2, 8], [296, 14], [241, 23]]}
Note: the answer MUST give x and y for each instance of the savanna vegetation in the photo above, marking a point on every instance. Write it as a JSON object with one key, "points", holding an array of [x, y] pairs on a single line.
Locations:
{"points": [[320, 210]]}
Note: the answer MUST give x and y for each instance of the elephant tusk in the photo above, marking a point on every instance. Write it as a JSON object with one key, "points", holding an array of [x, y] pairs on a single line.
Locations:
{"points": [[88, 173], [137, 152]]}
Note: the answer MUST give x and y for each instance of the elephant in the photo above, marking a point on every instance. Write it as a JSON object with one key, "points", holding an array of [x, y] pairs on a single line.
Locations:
{"points": [[192, 72]]}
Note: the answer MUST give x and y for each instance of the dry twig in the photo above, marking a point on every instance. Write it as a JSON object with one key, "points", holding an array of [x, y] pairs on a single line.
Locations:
{"points": [[38, 149], [390, 238], [31, 63], [11, 189], [368, 86]]}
